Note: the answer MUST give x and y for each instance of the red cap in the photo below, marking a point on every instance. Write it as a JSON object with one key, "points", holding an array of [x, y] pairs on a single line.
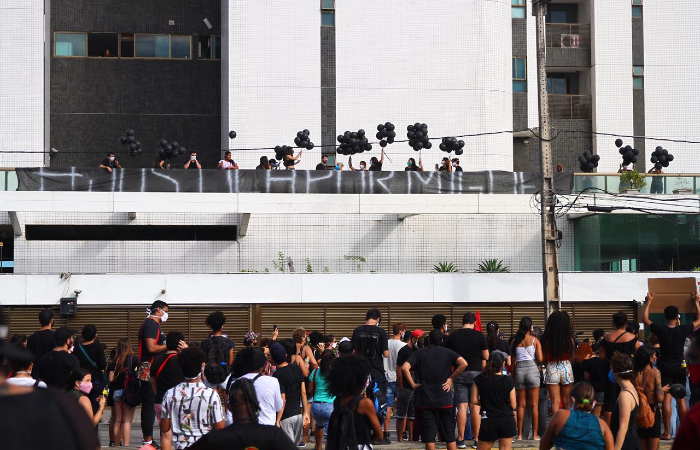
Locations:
{"points": [[417, 333]]}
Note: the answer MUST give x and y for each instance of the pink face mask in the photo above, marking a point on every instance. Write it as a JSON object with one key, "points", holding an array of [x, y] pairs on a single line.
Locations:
{"points": [[85, 387]]}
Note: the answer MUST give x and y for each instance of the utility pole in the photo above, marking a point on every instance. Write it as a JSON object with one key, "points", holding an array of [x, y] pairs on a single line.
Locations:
{"points": [[550, 268]]}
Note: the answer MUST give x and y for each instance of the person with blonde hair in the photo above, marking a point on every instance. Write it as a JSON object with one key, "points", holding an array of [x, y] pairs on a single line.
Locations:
{"points": [[577, 428], [124, 361]]}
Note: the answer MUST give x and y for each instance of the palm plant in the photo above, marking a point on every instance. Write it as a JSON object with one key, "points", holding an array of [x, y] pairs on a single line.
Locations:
{"points": [[444, 267], [492, 266]]}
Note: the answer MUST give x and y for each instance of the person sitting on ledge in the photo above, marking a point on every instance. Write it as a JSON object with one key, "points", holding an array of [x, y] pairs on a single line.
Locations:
{"points": [[110, 163], [192, 163]]}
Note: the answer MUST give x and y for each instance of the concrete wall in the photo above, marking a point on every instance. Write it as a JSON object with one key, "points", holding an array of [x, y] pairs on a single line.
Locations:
{"points": [[22, 83], [274, 76], [446, 64], [671, 95]]}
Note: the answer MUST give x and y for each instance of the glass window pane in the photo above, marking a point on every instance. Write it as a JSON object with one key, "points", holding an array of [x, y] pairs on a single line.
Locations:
{"points": [[520, 67], [103, 44], [328, 18], [637, 12], [216, 48], [518, 2], [127, 46], [70, 44], [519, 86], [637, 2], [638, 82], [639, 71], [517, 12], [328, 4], [152, 46], [180, 47]]}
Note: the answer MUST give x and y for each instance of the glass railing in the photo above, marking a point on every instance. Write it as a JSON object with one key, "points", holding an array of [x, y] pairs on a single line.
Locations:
{"points": [[655, 184], [8, 180]]}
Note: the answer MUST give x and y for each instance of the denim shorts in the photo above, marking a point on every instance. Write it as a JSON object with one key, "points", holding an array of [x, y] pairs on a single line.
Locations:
{"points": [[390, 393], [321, 412], [463, 387]]}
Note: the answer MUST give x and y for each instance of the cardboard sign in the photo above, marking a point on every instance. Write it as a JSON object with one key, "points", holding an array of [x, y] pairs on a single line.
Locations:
{"points": [[673, 291]]}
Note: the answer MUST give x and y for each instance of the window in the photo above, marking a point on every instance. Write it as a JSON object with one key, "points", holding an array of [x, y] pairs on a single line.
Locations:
{"points": [[519, 75], [517, 10], [562, 13], [562, 83], [163, 46], [126, 44], [209, 47], [104, 45], [638, 77], [70, 44], [327, 13], [637, 11], [131, 232]]}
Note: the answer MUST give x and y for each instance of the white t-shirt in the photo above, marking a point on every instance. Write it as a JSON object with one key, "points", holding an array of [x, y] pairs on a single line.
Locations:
{"points": [[269, 397], [226, 164], [390, 363], [24, 381]]}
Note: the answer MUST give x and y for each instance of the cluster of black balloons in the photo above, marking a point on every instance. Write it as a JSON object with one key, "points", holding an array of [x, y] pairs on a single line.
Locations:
{"points": [[418, 136], [281, 151], [303, 141], [588, 161], [352, 142], [386, 133], [451, 144], [133, 144], [170, 150], [661, 157], [629, 154]]}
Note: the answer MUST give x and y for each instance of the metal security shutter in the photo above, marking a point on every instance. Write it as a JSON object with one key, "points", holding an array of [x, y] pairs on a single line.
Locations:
{"points": [[112, 324], [341, 320], [418, 315], [25, 319], [488, 312], [236, 327], [589, 316], [290, 317]]}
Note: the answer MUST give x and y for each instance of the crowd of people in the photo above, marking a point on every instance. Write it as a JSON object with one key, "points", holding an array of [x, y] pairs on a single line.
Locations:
{"points": [[289, 162], [444, 385]]}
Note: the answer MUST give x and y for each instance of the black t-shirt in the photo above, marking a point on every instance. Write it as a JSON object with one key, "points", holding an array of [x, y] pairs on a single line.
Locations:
{"points": [[131, 362], [376, 167], [371, 341], [149, 329], [411, 168], [403, 355], [111, 164], [671, 341], [433, 366], [469, 344], [169, 377], [55, 367], [502, 346], [494, 395], [245, 437], [96, 352], [290, 378], [40, 343], [225, 343], [457, 169], [47, 419], [598, 369], [321, 166]]}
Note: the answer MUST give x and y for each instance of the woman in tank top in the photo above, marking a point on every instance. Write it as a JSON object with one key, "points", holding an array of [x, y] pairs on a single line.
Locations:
{"points": [[558, 348], [623, 423], [527, 352], [620, 341], [649, 380], [578, 429]]}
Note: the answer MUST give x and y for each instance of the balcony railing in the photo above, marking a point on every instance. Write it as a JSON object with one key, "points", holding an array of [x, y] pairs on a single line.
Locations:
{"points": [[673, 183], [8, 180], [568, 35], [563, 106]]}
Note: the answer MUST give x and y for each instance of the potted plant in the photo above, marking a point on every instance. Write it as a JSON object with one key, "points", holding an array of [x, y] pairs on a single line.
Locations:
{"points": [[492, 266], [683, 187], [443, 267], [632, 182]]}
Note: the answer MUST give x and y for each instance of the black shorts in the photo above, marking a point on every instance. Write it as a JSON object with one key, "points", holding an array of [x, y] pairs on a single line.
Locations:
{"points": [[436, 420], [404, 404], [672, 374], [655, 430], [495, 428], [611, 393]]}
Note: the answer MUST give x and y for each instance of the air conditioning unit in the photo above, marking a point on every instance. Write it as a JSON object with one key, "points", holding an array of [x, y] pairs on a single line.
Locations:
{"points": [[569, 40]]}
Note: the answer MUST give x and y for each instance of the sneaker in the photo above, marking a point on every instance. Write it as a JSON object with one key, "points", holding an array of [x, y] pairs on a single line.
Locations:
{"points": [[461, 444], [406, 436], [475, 444], [384, 441], [112, 444], [301, 444], [153, 444]]}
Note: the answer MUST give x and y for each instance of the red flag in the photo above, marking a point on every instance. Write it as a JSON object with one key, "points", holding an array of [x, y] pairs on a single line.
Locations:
{"points": [[477, 325]]}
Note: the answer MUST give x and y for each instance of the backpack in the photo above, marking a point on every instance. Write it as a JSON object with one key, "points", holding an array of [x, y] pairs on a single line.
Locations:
{"points": [[132, 394], [341, 426], [645, 416], [217, 368], [379, 399]]}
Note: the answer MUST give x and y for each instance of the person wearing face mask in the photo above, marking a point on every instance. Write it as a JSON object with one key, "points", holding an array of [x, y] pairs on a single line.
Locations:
{"points": [[56, 365], [395, 345], [362, 168], [192, 163], [445, 166], [411, 165], [190, 409], [151, 341], [455, 165], [371, 341], [376, 165], [79, 386], [110, 163]]}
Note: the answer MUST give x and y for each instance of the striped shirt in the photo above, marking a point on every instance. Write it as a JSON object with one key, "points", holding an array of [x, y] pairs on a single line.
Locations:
{"points": [[193, 409]]}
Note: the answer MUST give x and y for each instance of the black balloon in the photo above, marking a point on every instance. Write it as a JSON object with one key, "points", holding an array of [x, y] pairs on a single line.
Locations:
{"points": [[386, 133], [588, 161], [352, 142], [618, 142], [677, 391], [302, 140], [232, 134], [130, 132], [661, 158], [122, 140], [418, 136], [451, 144], [163, 143]]}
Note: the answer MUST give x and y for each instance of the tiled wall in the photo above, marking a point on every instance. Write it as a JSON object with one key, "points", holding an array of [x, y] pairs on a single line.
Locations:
{"points": [[387, 244], [22, 83]]}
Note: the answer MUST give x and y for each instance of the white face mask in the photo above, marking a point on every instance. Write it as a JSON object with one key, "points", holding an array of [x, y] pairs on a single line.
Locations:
{"points": [[193, 157], [111, 158], [164, 317]]}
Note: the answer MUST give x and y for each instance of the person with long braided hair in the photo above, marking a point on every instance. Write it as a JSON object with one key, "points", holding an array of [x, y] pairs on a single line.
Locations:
{"points": [[558, 347], [245, 432]]}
